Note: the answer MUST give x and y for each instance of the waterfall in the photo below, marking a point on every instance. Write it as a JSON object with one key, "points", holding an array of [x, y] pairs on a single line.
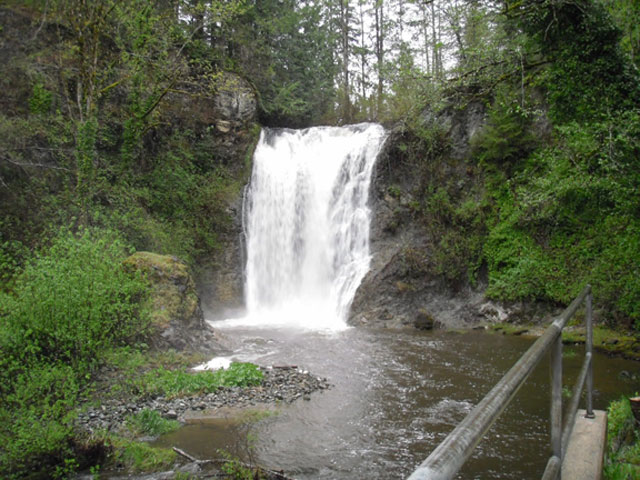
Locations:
{"points": [[306, 223]]}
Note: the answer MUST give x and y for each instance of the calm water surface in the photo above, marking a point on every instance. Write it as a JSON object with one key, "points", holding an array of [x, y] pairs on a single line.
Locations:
{"points": [[395, 396]]}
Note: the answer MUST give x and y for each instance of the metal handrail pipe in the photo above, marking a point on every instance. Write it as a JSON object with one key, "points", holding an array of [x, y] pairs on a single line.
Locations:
{"points": [[448, 457], [445, 461], [553, 468], [562, 319], [575, 401]]}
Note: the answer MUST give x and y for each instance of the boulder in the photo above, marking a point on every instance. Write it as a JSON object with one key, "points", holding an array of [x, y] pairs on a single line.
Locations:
{"points": [[176, 315]]}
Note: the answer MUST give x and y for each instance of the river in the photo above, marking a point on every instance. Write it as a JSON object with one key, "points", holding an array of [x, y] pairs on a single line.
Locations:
{"points": [[395, 396]]}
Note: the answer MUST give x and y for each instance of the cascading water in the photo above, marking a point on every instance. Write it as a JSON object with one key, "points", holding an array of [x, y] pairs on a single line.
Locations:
{"points": [[307, 224]]}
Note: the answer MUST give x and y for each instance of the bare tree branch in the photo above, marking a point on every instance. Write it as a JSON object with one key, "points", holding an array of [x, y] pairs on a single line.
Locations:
{"points": [[23, 165]]}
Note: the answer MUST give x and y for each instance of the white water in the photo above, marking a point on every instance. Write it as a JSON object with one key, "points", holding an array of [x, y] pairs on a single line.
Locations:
{"points": [[307, 225]]}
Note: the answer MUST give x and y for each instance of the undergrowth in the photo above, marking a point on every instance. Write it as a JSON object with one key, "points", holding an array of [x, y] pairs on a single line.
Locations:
{"points": [[150, 422], [623, 442], [175, 383]]}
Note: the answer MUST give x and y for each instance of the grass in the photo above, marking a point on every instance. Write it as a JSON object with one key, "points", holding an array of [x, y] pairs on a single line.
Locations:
{"points": [[150, 422], [134, 373], [138, 457], [177, 383], [606, 340]]}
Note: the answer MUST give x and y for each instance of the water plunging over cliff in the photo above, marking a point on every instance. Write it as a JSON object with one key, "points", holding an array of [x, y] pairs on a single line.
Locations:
{"points": [[306, 222]]}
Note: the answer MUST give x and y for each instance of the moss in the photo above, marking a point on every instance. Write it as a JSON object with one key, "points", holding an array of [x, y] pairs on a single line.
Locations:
{"points": [[172, 292], [607, 341], [403, 287], [509, 329]]}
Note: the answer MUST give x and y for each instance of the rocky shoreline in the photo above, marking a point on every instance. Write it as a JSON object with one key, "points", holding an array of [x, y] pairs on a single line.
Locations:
{"points": [[281, 384]]}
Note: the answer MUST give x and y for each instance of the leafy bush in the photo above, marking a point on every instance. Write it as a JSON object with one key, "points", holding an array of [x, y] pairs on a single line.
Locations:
{"points": [[69, 306], [73, 301], [569, 218], [623, 442], [507, 137], [41, 99], [36, 421]]}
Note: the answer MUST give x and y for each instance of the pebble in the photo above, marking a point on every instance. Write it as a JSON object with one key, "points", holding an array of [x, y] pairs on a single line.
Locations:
{"points": [[279, 385]]}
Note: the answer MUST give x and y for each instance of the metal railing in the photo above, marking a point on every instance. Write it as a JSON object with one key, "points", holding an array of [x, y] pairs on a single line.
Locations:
{"points": [[445, 461]]}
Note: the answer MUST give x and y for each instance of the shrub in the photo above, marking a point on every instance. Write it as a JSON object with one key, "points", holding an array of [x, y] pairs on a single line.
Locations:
{"points": [[623, 442], [73, 301], [69, 306], [36, 423]]}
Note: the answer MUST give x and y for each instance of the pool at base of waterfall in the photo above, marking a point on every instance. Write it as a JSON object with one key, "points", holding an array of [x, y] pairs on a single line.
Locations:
{"points": [[395, 395]]}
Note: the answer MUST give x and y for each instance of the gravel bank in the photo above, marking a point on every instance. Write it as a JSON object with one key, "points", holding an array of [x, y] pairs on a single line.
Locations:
{"points": [[280, 385]]}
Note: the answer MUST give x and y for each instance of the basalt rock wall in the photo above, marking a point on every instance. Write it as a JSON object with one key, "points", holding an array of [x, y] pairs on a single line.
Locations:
{"points": [[404, 286]]}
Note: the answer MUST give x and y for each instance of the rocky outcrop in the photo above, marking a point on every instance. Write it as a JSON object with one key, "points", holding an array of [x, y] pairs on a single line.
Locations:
{"points": [[400, 288], [223, 113], [235, 102], [174, 305]]}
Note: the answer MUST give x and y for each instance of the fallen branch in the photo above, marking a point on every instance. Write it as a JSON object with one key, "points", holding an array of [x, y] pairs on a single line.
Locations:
{"points": [[274, 474], [191, 458]]}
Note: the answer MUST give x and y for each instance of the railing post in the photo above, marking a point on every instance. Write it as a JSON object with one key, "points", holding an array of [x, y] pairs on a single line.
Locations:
{"points": [[556, 398], [589, 348]]}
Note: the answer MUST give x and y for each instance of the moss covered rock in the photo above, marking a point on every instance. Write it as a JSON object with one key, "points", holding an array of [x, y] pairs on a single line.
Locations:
{"points": [[174, 304]]}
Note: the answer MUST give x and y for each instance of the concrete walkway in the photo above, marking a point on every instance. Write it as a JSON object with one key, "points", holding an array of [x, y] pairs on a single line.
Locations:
{"points": [[585, 454]]}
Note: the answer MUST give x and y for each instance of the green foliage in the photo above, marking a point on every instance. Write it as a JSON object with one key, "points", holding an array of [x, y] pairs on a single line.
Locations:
{"points": [[174, 383], [461, 233], [36, 421], [507, 137], [11, 254], [589, 74], [86, 138], [291, 61], [236, 470], [570, 218], [627, 16], [40, 100], [139, 456], [150, 422], [73, 301], [623, 442]]}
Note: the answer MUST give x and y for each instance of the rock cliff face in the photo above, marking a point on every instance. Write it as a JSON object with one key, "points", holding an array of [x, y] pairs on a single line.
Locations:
{"points": [[227, 117], [399, 289]]}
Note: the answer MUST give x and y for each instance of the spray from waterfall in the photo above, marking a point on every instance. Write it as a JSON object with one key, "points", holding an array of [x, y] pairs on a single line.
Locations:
{"points": [[306, 223]]}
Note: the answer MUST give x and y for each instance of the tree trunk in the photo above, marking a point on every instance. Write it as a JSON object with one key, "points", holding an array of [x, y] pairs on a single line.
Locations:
{"points": [[379, 26]]}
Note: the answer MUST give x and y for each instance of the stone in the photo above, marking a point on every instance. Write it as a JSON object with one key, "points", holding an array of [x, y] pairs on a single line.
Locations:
{"points": [[493, 312], [423, 321], [171, 415], [177, 319], [235, 100], [223, 126]]}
